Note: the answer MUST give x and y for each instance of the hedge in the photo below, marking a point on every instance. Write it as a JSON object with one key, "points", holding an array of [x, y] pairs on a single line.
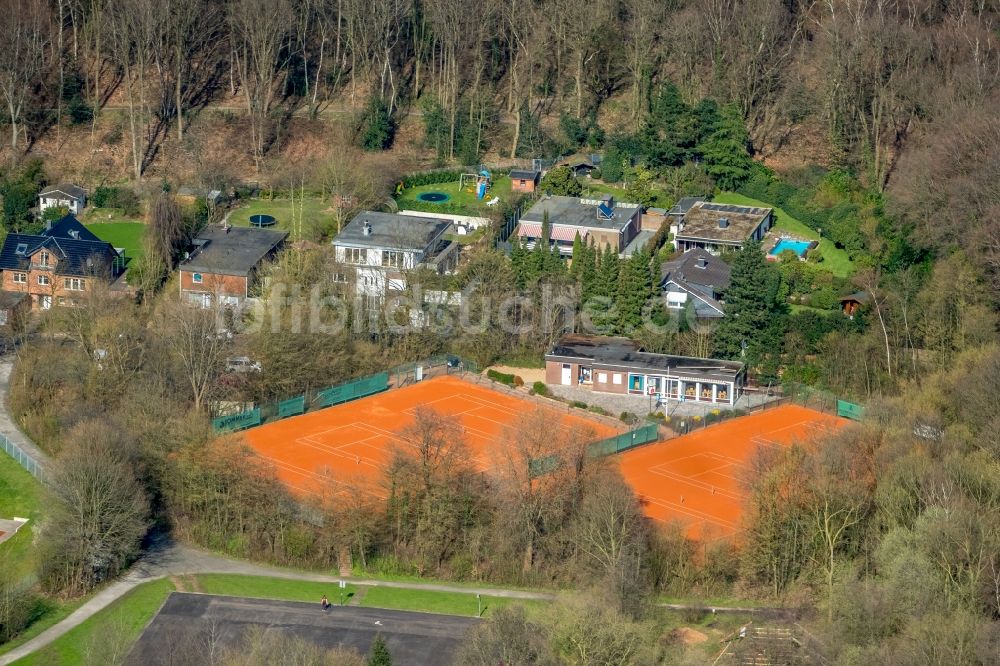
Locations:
{"points": [[501, 377]]}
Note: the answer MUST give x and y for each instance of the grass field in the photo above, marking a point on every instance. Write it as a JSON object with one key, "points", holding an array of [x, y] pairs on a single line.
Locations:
{"points": [[835, 259], [429, 601], [128, 235], [459, 197], [108, 215], [20, 495], [314, 211], [271, 588], [112, 630]]}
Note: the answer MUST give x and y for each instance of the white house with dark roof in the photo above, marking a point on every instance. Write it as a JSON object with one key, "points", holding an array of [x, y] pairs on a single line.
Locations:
{"points": [[70, 196], [696, 279], [381, 248]]}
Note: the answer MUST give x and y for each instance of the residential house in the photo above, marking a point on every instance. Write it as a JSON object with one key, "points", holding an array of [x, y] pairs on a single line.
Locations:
{"points": [[681, 209], [59, 264], [524, 180], [618, 365], [696, 279], [67, 195], [381, 247], [717, 227], [225, 262], [601, 221]]}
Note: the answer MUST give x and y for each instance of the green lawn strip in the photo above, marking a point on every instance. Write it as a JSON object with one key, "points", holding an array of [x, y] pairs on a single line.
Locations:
{"points": [[261, 587], [122, 621], [718, 602], [128, 235], [835, 259], [464, 196], [21, 495], [361, 574], [430, 601], [313, 211]]}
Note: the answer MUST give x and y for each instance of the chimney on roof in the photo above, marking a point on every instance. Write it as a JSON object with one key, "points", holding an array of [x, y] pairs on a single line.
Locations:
{"points": [[367, 229], [723, 222]]}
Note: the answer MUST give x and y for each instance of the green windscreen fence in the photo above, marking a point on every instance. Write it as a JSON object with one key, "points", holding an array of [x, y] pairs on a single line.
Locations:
{"points": [[850, 410], [292, 407], [359, 388], [624, 442], [233, 422], [604, 447]]}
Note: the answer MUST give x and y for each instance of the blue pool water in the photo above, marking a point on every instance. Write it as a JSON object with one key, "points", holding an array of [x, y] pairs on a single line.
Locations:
{"points": [[798, 247]]}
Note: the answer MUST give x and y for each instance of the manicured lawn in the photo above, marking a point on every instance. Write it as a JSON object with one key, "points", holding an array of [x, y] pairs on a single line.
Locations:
{"points": [[464, 197], [428, 601], [594, 190], [313, 211], [20, 495], [115, 628], [128, 235], [835, 259], [271, 588]]}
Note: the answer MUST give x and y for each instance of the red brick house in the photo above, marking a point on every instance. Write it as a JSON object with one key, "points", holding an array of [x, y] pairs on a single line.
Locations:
{"points": [[58, 265], [225, 263]]}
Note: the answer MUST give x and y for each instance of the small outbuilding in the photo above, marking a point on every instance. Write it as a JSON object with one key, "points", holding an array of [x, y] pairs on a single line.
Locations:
{"points": [[852, 303], [524, 180]]}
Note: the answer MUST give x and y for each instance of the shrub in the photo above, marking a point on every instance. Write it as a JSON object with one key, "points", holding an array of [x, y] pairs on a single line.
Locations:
{"points": [[540, 388], [597, 409], [595, 173], [628, 418], [501, 377], [377, 126], [518, 382], [578, 404], [116, 197]]}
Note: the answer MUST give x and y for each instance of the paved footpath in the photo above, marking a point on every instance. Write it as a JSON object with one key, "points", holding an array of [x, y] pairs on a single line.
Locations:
{"points": [[172, 559], [7, 426]]}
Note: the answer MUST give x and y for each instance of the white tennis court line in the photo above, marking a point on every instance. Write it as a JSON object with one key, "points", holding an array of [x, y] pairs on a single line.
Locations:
{"points": [[698, 484], [692, 513]]}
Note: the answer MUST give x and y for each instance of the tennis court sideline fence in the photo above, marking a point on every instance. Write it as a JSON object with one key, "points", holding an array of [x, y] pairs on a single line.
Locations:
{"points": [[22, 458], [340, 393], [644, 434]]}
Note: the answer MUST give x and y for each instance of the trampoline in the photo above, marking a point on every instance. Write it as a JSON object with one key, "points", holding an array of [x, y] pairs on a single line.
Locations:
{"points": [[262, 221], [433, 197]]}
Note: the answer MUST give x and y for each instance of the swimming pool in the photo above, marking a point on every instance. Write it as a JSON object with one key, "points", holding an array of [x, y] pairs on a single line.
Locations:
{"points": [[796, 246]]}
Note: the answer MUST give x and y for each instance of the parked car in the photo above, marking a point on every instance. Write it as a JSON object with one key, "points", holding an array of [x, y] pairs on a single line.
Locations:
{"points": [[242, 364]]}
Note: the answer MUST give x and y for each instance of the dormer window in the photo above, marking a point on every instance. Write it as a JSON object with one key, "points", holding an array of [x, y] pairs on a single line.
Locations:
{"points": [[21, 249]]}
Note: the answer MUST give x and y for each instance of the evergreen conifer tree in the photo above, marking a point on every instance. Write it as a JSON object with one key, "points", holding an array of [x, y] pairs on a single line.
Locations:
{"points": [[753, 308], [726, 150], [380, 655]]}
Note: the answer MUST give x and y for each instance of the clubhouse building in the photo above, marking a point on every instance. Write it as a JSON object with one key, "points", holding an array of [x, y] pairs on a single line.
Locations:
{"points": [[618, 365]]}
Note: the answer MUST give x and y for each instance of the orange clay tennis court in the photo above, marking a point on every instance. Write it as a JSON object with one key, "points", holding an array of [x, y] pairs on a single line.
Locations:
{"points": [[352, 442], [695, 480]]}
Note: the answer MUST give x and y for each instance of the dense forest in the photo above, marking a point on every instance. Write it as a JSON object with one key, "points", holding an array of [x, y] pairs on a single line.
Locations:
{"points": [[873, 122]]}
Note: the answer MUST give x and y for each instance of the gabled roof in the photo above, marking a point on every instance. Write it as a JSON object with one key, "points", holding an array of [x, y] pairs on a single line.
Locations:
{"points": [[698, 267], [68, 189], [695, 293], [231, 250], [81, 255], [523, 174], [69, 227]]}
